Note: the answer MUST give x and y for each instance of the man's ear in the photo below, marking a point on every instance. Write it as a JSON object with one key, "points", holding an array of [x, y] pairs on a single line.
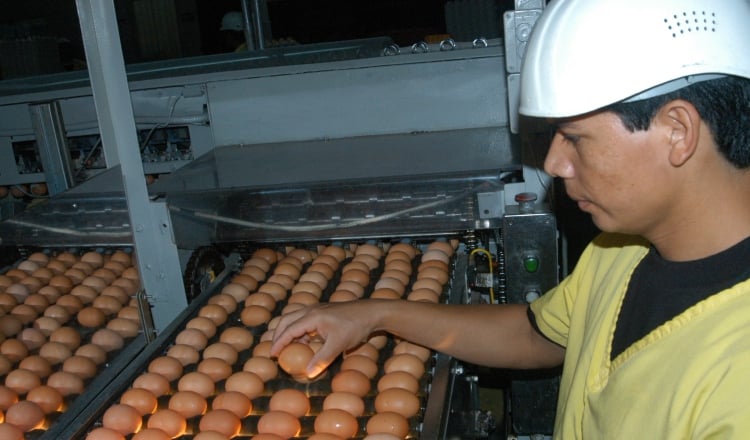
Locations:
{"points": [[682, 124]]}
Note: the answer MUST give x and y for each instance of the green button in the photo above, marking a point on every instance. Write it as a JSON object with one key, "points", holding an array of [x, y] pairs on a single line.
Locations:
{"points": [[531, 264]]}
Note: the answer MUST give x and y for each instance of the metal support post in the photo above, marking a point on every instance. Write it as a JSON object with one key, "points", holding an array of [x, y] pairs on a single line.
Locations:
{"points": [[157, 257]]}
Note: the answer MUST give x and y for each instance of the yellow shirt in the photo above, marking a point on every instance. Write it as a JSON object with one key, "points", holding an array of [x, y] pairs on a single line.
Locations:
{"points": [[687, 379]]}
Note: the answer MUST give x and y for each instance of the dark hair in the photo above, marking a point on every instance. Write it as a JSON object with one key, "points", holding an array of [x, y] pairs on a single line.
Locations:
{"points": [[724, 104]]}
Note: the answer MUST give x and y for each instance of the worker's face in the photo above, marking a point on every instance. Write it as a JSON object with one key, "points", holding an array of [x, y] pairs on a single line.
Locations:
{"points": [[612, 174]]}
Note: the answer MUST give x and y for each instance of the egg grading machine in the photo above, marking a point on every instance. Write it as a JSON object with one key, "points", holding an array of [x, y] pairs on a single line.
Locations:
{"points": [[416, 145]]}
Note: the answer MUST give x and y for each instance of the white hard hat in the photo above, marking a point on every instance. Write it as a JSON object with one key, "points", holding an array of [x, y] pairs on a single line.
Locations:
{"points": [[232, 21], [586, 54]]}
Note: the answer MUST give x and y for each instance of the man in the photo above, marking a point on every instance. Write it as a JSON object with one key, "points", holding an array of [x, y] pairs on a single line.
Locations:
{"points": [[233, 31], [650, 103]]}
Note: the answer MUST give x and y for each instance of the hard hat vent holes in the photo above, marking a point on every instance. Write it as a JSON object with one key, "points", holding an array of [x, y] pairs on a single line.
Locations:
{"points": [[688, 22]]}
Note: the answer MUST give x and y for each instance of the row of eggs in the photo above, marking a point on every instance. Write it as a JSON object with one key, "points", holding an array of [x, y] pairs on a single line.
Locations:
{"points": [[200, 371]]}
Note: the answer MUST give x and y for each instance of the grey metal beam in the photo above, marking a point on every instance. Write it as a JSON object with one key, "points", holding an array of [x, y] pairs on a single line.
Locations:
{"points": [[157, 257]]}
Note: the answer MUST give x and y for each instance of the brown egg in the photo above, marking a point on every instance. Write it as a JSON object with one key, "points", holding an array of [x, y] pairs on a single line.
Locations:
{"points": [[222, 421], [257, 273], [93, 352], [304, 298], [38, 301], [266, 253], [258, 262], [108, 339], [253, 316], [44, 274], [322, 269], [46, 325], [371, 262], [241, 286], [356, 288], [47, 398], [443, 246], [378, 340], [122, 418], [67, 384], [280, 423], [221, 350], [262, 349], [203, 324], [215, 368], [233, 401], [33, 284], [32, 338], [398, 379], [57, 267], [336, 421], [405, 362], [22, 381], [14, 350], [72, 304], [215, 313], [144, 401], [225, 300], [8, 301], [308, 287], [290, 400], [238, 337], [96, 282], [19, 292], [197, 382], [166, 366], [5, 366], [294, 359], [397, 400], [116, 292], [129, 312], [188, 403], [126, 328], [157, 384], [289, 308], [316, 278], [351, 381], [261, 299], [102, 433], [358, 276], [16, 275], [388, 423], [360, 363], [342, 296], [277, 291], [384, 293], [58, 313], [25, 313], [122, 257], [402, 277], [129, 286], [423, 295], [264, 367], [151, 434], [186, 354], [284, 280], [37, 365], [67, 336], [93, 258], [80, 366], [115, 267], [7, 398], [245, 382], [398, 257], [25, 415], [62, 283], [348, 402], [193, 338], [171, 422], [435, 273], [131, 273], [86, 268], [288, 268], [365, 349], [335, 251]]}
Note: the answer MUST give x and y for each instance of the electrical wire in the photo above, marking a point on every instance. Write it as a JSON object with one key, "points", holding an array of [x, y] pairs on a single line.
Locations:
{"points": [[489, 258]]}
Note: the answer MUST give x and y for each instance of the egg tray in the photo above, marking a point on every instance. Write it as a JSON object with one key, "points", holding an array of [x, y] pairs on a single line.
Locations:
{"points": [[434, 380], [114, 364]]}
